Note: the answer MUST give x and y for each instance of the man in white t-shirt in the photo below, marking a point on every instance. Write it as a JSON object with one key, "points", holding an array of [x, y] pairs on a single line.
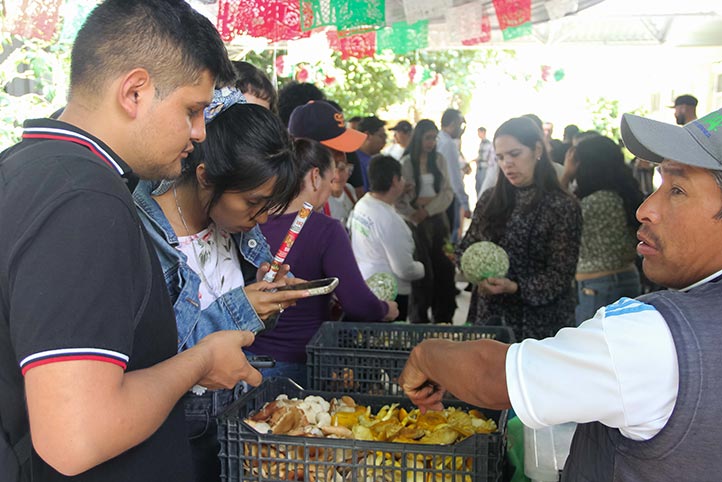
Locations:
{"points": [[381, 240], [642, 376]]}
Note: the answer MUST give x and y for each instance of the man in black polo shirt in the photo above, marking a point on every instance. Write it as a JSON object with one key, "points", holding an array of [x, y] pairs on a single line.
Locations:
{"points": [[87, 335]]}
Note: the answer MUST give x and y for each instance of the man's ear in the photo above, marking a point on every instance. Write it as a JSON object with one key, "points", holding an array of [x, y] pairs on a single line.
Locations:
{"points": [[135, 90]]}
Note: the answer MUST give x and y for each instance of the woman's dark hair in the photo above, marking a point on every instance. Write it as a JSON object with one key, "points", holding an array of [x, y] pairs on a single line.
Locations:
{"points": [[601, 167], [310, 154], [253, 80], [294, 94], [497, 210], [414, 150], [245, 146]]}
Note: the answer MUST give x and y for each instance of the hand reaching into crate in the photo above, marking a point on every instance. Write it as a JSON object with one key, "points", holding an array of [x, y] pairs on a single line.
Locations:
{"points": [[472, 371]]}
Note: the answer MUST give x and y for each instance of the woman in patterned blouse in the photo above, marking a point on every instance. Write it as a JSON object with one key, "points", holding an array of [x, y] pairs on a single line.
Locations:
{"points": [[609, 195], [539, 225]]}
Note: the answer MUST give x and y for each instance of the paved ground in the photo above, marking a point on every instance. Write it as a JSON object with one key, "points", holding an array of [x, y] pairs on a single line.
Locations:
{"points": [[462, 300]]}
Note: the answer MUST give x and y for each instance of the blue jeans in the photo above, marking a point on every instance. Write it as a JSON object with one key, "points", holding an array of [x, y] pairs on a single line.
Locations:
{"points": [[597, 292], [295, 371], [201, 413]]}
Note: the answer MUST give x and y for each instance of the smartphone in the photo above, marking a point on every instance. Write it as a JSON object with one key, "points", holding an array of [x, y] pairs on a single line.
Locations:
{"points": [[316, 287], [261, 361]]}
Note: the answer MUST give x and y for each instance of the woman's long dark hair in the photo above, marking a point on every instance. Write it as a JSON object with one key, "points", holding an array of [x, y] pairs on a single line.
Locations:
{"points": [[496, 212], [601, 167], [311, 153], [414, 151], [245, 146]]}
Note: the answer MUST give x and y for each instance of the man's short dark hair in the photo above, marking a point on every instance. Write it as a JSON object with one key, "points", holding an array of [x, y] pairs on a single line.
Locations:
{"points": [[294, 94], [250, 79], [168, 38], [686, 99], [382, 170], [371, 124], [481, 129], [570, 131], [449, 116]]}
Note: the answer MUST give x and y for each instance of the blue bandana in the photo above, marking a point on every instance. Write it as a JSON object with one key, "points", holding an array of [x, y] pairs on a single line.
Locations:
{"points": [[222, 99]]}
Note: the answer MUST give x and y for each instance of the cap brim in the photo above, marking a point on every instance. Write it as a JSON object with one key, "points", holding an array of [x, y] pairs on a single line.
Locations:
{"points": [[656, 141], [349, 141]]}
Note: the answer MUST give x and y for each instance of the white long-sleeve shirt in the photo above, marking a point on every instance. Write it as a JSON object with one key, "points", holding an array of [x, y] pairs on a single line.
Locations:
{"points": [[619, 368], [382, 243]]}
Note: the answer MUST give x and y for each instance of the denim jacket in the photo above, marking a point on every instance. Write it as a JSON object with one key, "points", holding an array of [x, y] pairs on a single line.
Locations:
{"points": [[232, 311]]}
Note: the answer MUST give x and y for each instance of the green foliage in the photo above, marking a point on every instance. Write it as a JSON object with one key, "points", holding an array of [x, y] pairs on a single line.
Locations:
{"points": [[606, 116], [262, 60], [369, 84], [40, 67], [461, 70], [373, 84]]}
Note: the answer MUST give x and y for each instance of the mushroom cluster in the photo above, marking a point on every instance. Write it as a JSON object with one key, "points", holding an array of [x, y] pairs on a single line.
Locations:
{"points": [[343, 418]]}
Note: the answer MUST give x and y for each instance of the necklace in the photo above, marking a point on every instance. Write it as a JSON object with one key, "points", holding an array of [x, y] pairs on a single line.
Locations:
{"points": [[213, 291]]}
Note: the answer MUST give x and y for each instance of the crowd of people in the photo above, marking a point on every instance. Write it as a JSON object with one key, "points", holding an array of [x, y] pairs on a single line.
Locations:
{"points": [[139, 226]]}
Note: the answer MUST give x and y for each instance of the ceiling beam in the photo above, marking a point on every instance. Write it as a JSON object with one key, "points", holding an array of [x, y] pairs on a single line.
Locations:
{"points": [[659, 33]]}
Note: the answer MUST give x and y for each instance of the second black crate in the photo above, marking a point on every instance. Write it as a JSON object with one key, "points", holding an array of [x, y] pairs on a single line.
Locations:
{"points": [[368, 357]]}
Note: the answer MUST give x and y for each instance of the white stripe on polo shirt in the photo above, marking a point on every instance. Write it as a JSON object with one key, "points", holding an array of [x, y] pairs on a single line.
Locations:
{"points": [[67, 354], [64, 132]]}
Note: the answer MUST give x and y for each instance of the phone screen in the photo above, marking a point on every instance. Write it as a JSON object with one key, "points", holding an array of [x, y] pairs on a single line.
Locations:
{"points": [[316, 287]]}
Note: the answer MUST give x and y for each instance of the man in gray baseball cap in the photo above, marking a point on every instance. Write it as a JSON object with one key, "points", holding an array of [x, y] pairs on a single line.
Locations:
{"points": [[641, 378], [697, 143]]}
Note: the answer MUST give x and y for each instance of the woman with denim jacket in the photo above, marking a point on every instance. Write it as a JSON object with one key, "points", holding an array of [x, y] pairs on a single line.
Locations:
{"points": [[204, 227]]}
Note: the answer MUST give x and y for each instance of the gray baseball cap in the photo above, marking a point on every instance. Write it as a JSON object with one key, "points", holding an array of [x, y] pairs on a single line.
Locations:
{"points": [[698, 143]]}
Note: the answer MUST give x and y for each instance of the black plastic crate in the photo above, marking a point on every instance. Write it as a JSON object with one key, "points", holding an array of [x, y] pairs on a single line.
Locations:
{"points": [[369, 357], [247, 455]]}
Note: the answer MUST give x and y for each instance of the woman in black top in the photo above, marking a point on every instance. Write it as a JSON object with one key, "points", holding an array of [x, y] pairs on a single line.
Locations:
{"points": [[539, 226]]}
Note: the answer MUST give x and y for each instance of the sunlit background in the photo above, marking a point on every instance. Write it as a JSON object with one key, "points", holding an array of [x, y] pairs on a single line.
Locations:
{"points": [[587, 67]]}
